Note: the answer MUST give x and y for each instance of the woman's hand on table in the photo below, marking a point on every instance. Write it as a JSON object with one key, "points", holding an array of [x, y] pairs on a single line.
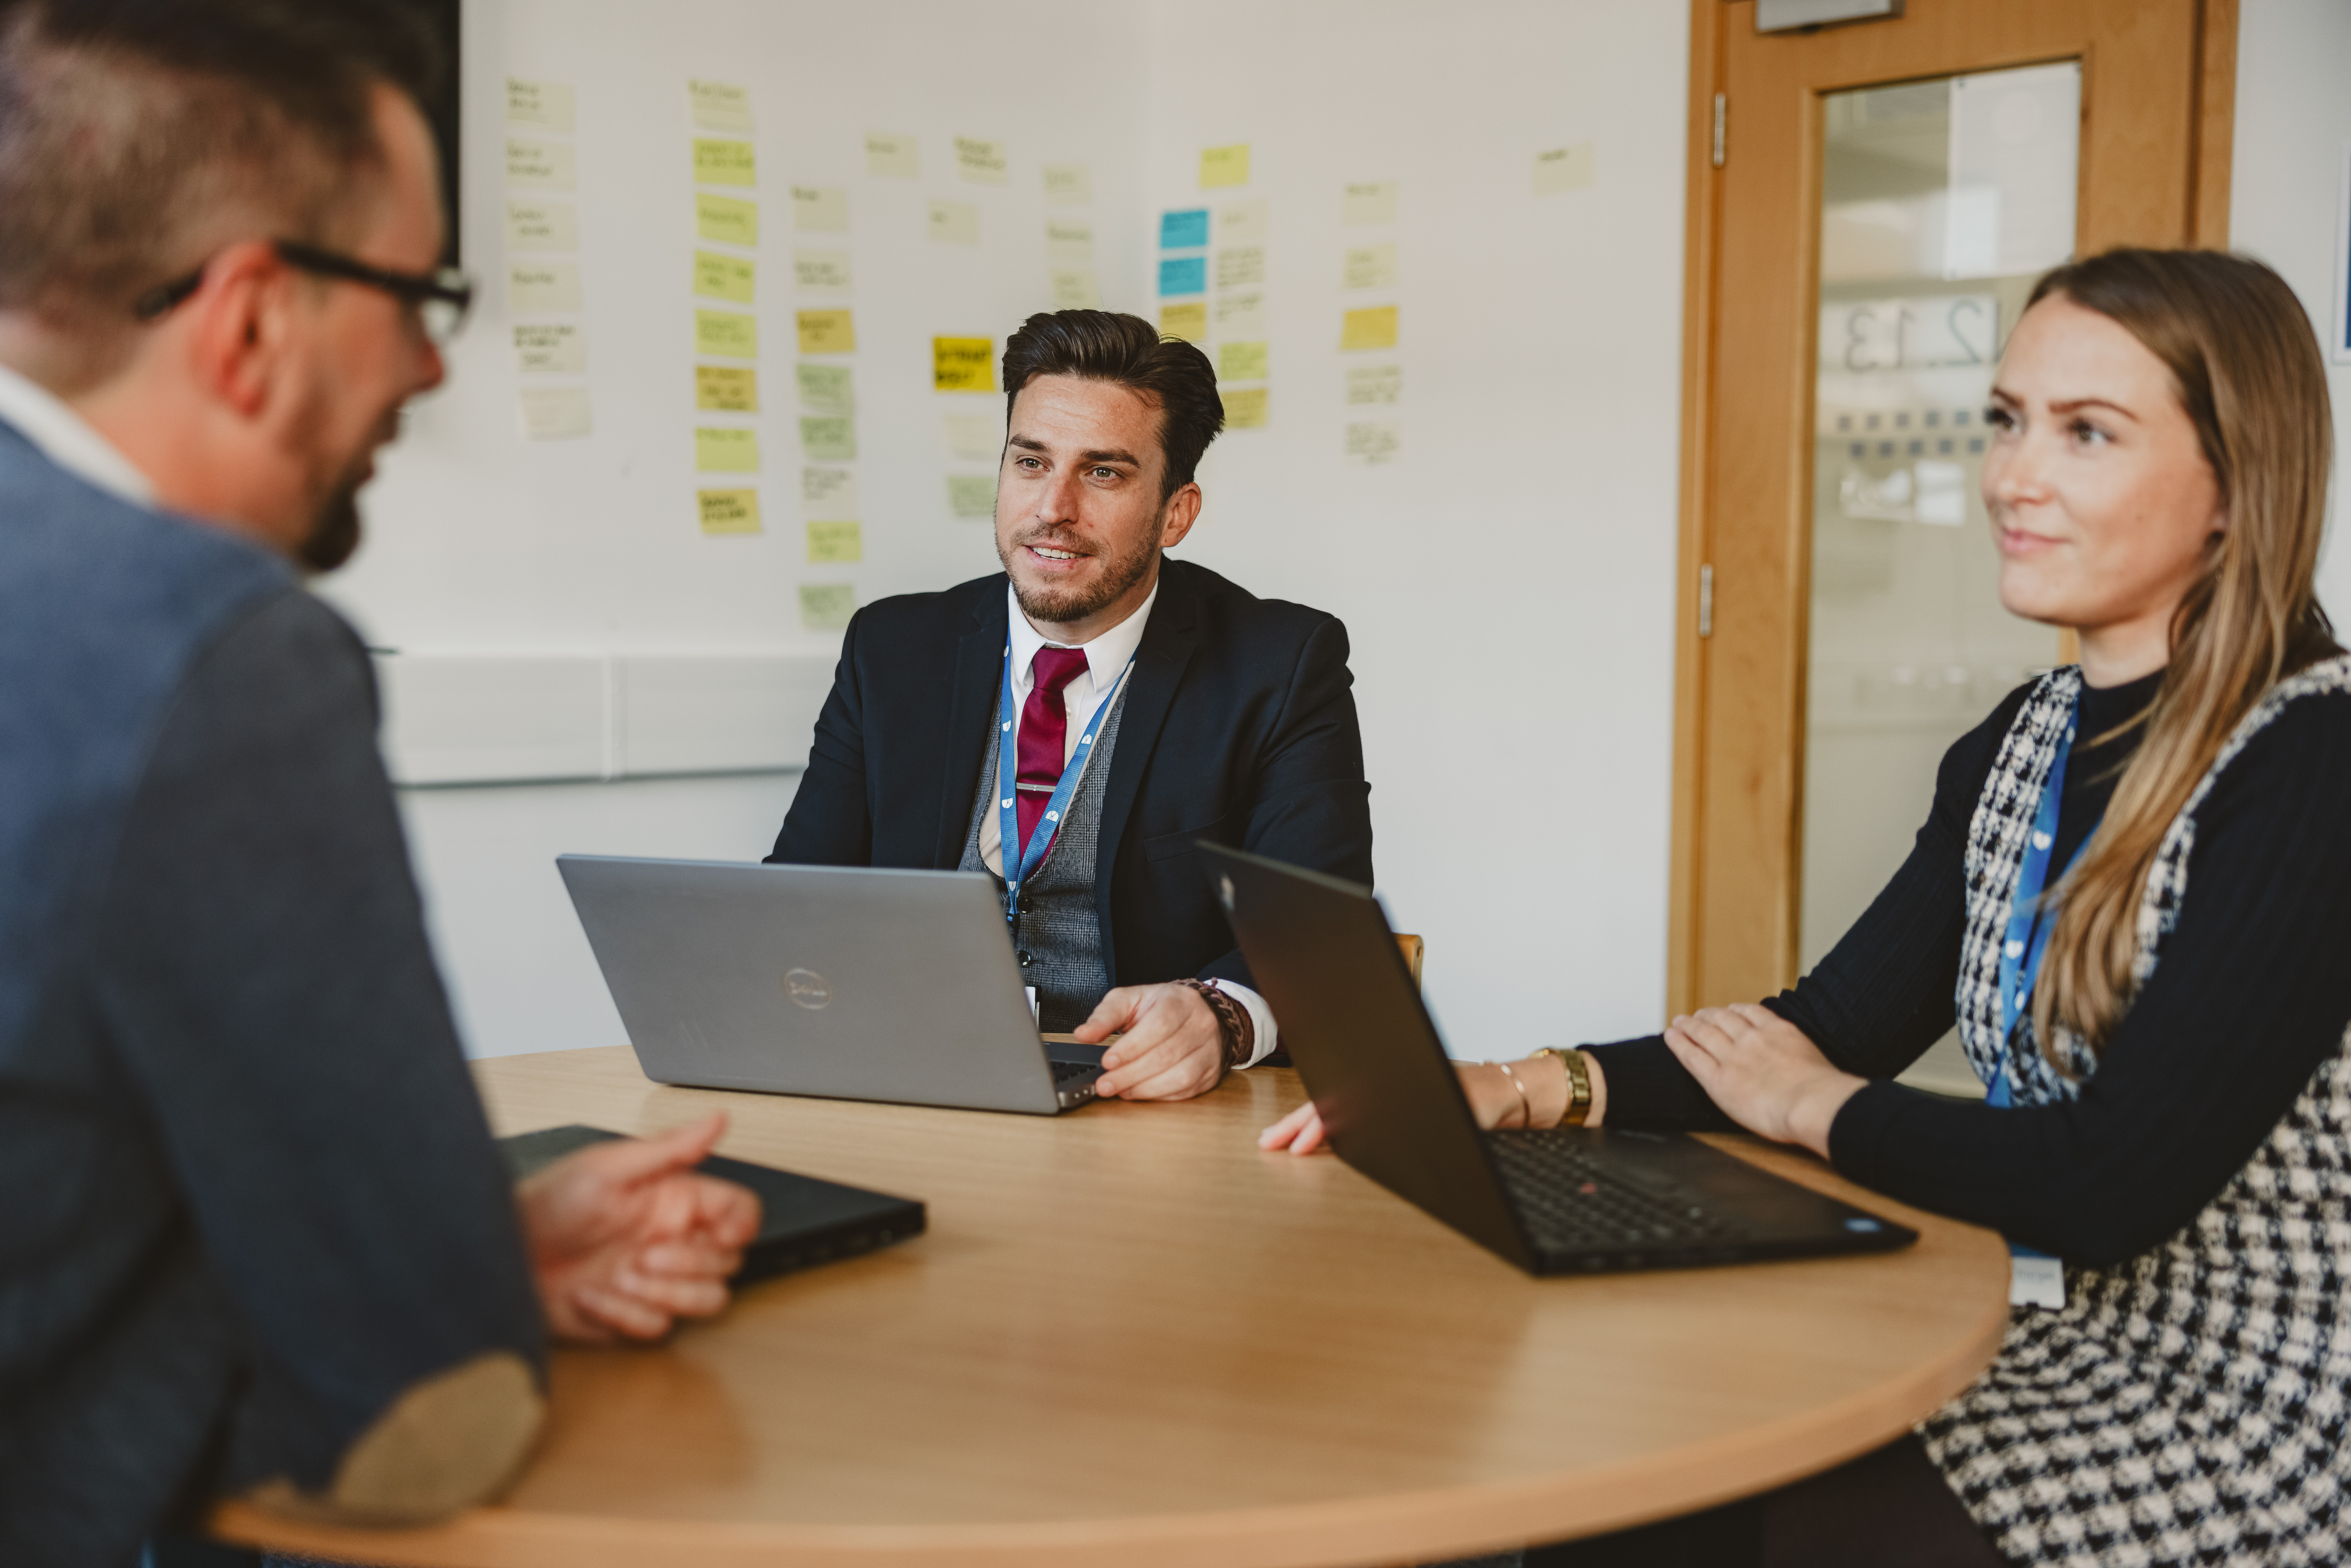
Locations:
{"points": [[1765, 1073], [1493, 1099], [625, 1238]]}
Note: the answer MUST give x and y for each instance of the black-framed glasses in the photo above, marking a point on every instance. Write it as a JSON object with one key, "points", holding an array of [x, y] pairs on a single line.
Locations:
{"points": [[441, 297]]}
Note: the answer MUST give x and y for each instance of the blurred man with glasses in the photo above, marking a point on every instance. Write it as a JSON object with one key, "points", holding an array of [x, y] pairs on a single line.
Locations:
{"points": [[256, 1239]]}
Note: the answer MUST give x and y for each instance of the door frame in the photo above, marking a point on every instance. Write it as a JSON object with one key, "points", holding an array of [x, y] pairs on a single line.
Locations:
{"points": [[2212, 131]]}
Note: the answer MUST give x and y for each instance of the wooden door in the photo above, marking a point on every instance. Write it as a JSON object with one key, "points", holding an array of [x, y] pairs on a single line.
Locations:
{"points": [[2155, 81]]}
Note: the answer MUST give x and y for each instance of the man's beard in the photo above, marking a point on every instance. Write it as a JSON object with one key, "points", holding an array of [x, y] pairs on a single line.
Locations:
{"points": [[336, 530], [1119, 574], [336, 535]]}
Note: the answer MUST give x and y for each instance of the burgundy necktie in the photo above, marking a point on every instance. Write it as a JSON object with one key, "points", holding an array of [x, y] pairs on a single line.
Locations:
{"points": [[1044, 741]]}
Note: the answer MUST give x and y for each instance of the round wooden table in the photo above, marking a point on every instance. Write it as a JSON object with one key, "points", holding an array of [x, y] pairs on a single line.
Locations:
{"points": [[1129, 1337]]}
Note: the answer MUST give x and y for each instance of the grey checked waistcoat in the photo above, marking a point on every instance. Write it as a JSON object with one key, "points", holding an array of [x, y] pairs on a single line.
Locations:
{"points": [[1060, 925], [2191, 1404]]}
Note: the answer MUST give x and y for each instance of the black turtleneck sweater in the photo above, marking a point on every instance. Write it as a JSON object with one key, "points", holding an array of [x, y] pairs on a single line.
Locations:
{"points": [[2252, 992]]}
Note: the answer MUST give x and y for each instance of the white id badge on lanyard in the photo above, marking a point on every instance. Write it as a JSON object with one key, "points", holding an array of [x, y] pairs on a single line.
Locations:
{"points": [[2036, 1279]]}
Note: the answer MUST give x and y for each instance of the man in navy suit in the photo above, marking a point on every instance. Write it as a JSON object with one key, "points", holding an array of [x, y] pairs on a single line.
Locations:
{"points": [[1099, 709]]}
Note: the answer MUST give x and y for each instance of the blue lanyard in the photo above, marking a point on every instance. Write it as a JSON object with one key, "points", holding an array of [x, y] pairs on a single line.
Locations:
{"points": [[2028, 923], [1020, 862]]}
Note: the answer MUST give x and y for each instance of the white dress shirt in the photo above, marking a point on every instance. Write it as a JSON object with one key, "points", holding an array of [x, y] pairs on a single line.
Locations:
{"points": [[66, 439], [1107, 658]]}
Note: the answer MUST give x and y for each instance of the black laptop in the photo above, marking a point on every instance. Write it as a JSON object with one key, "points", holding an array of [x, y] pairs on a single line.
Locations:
{"points": [[1558, 1201], [803, 1221]]}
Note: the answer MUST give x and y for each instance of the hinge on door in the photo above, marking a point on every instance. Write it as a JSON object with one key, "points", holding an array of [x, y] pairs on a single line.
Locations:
{"points": [[1721, 114], [1706, 599]]}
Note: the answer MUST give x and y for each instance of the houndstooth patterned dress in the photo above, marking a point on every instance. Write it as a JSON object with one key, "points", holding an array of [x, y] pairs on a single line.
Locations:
{"points": [[2191, 1405]]}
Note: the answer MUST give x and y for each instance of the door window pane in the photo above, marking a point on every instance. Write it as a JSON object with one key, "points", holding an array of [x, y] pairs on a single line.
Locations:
{"points": [[1942, 201]]}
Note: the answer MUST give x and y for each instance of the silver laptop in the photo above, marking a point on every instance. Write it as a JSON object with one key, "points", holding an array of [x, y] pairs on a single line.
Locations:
{"points": [[827, 981]]}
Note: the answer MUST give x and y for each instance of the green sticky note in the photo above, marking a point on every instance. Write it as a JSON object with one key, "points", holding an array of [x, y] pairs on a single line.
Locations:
{"points": [[725, 219], [726, 450], [727, 334], [829, 438], [825, 389], [717, 277], [836, 543], [827, 606], [718, 162], [971, 495]]}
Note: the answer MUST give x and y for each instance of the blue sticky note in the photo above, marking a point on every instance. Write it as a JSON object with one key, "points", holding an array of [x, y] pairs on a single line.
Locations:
{"points": [[1183, 275], [1181, 231]]}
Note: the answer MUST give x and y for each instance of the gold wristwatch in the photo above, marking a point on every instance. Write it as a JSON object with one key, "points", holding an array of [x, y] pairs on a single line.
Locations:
{"points": [[1578, 1084]]}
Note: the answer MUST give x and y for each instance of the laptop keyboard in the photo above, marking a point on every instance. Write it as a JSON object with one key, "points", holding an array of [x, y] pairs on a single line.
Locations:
{"points": [[1571, 1202]]}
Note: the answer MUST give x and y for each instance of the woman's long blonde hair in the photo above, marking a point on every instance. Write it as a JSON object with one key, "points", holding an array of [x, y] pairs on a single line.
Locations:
{"points": [[2246, 365]]}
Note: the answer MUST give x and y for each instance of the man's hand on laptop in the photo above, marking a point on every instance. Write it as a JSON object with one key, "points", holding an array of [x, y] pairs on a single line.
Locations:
{"points": [[1171, 1048], [625, 1238]]}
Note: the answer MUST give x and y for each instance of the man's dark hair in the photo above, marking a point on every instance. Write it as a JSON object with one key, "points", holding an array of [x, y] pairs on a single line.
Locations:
{"points": [[138, 135], [1106, 346]]}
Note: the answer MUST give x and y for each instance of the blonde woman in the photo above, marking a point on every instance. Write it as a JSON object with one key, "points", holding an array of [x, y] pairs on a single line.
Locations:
{"points": [[2163, 1028]]}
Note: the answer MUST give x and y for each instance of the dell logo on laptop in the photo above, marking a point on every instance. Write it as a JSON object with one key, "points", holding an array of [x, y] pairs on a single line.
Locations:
{"points": [[807, 988], [1225, 891]]}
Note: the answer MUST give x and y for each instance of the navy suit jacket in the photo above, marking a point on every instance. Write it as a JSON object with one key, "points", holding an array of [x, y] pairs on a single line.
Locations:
{"points": [[1238, 726]]}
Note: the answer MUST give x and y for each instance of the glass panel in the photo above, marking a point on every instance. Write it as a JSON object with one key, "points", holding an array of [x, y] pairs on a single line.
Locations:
{"points": [[1942, 203]]}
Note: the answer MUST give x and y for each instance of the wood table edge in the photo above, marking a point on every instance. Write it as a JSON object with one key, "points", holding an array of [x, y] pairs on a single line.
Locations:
{"points": [[1397, 1528]]}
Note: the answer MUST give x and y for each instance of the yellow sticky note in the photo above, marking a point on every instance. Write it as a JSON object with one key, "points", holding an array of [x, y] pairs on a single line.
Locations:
{"points": [[542, 225], [1564, 169], [730, 511], [538, 165], [732, 449], [719, 106], [1240, 266], [727, 219], [1375, 327], [836, 543], [553, 348], [822, 270], [717, 277], [546, 103], [892, 156], [1372, 443], [827, 332], [827, 606], [1374, 384], [534, 286], [727, 334], [1369, 265], [1368, 202], [723, 162], [954, 223], [981, 160], [1188, 321], [1225, 166], [1074, 289], [1068, 184], [726, 389], [821, 209], [1240, 361], [1244, 408], [963, 364]]}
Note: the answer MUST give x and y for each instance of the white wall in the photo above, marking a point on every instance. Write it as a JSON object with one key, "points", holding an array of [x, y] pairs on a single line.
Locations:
{"points": [[2293, 117], [1507, 580]]}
